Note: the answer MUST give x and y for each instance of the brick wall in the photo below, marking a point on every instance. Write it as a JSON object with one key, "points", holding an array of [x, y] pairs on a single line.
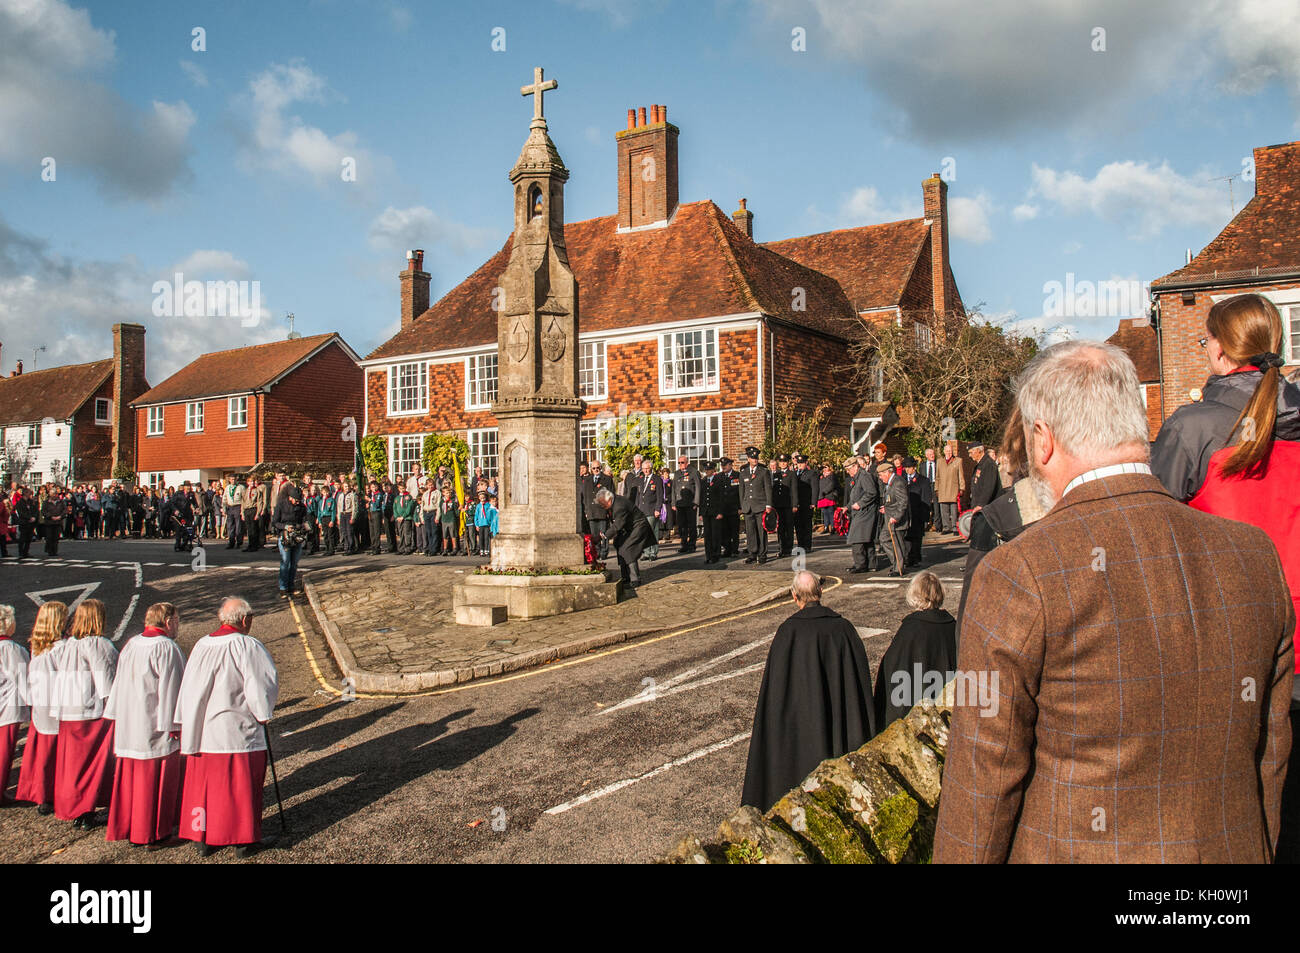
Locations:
{"points": [[1182, 326], [92, 444], [647, 193], [303, 414], [216, 446], [811, 368]]}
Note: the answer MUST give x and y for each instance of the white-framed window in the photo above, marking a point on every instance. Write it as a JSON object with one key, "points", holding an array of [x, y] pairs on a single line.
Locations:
{"points": [[688, 361], [1291, 324], [403, 454], [35, 478], [34, 436], [237, 412], [480, 381], [103, 410], [155, 421], [408, 388], [589, 432], [593, 377], [156, 479], [698, 436], [194, 417], [483, 450], [876, 382]]}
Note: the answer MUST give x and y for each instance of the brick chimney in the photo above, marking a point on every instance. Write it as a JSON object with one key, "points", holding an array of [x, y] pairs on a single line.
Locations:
{"points": [[415, 288], [18, 370], [935, 191], [1277, 169], [744, 219], [128, 384], [647, 168]]}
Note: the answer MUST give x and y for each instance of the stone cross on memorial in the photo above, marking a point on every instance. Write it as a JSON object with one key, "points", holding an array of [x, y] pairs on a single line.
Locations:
{"points": [[537, 91]]}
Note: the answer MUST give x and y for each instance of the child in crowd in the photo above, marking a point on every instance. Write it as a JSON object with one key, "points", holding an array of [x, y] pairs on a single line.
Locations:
{"points": [[485, 522], [448, 515]]}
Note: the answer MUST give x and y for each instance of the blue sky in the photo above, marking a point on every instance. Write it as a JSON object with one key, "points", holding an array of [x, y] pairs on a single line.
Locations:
{"points": [[1068, 157]]}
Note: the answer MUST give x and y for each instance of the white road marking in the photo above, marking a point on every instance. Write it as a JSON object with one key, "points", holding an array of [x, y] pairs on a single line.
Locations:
{"points": [[687, 675], [874, 585], [868, 633], [86, 589], [675, 763], [121, 626]]}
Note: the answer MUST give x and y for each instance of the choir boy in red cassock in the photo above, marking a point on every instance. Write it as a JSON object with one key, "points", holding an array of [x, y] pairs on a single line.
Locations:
{"points": [[227, 695], [146, 799]]}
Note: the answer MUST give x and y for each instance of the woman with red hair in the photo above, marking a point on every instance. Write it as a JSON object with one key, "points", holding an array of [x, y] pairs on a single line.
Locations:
{"points": [[1236, 453]]}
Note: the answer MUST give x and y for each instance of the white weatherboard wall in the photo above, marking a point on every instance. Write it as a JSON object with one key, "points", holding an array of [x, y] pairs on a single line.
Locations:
{"points": [[56, 447]]}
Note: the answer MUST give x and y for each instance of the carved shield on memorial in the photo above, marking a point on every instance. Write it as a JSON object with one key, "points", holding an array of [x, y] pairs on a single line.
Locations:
{"points": [[553, 341], [517, 341]]}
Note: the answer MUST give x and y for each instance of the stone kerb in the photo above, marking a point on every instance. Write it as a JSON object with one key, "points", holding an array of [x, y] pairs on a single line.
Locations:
{"points": [[876, 805]]}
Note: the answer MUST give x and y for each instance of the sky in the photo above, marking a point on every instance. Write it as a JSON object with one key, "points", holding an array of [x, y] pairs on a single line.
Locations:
{"points": [[305, 146]]}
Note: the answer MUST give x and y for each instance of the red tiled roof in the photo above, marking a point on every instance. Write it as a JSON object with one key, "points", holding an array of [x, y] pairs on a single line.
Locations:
{"points": [[701, 265], [57, 392], [1139, 341], [872, 263], [1263, 234], [232, 372]]}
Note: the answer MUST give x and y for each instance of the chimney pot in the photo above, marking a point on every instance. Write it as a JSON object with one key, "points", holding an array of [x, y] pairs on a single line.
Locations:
{"points": [[663, 113], [631, 118], [18, 370], [744, 219], [640, 116]]}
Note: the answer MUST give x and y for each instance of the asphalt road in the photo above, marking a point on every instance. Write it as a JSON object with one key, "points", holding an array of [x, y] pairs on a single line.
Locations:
{"points": [[610, 756]]}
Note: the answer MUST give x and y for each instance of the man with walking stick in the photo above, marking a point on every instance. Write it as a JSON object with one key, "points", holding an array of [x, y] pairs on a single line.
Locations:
{"points": [[895, 506], [227, 696]]}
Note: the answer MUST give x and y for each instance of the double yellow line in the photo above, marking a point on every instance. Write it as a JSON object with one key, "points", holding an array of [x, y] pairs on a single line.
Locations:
{"points": [[530, 673]]}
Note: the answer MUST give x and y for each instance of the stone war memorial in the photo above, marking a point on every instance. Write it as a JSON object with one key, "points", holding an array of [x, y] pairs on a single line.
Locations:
{"points": [[537, 566]]}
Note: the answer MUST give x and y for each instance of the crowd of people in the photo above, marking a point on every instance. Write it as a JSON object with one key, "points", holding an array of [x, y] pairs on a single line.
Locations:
{"points": [[1122, 664], [172, 748]]}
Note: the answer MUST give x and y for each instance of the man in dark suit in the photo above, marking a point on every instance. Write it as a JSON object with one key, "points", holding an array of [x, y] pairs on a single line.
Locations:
{"points": [[711, 512], [630, 532], [648, 494], [727, 483], [684, 494], [755, 501], [863, 509], [783, 504], [986, 483], [1125, 667], [804, 501], [920, 495], [896, 510], [597, 517]]}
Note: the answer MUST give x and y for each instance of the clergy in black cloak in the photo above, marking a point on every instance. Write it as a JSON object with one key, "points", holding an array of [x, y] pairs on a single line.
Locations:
{"points": [[923, 656], [815, 700]]}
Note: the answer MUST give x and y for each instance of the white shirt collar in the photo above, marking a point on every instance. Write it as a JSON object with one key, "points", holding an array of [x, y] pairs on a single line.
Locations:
{"points": [[1108, 471]]}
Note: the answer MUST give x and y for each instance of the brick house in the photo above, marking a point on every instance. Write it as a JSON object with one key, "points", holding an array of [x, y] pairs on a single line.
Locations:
{"points": [[1138, 337], [73, 423], [1258, 251], [231, 411], [682, 315]]}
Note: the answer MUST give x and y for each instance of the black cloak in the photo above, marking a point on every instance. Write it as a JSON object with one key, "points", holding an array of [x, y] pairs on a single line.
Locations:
{"points": [[815, 703], [927, 639]]}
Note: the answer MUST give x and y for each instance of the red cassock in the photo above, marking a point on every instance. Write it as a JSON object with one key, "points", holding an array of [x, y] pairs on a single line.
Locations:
{"points": [[15, 705], [8, 743], [146, 799], [36, 778], [228, 692], [83, 775]]}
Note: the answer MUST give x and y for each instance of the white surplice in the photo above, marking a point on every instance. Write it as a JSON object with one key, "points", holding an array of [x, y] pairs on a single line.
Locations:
{"points": [[230, 686], [15, 702], [143, 701], [40, 691], [84, 677]]}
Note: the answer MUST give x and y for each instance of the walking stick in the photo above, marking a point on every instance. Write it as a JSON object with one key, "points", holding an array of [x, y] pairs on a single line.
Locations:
{"points": [[898, 559], [266, 732]]}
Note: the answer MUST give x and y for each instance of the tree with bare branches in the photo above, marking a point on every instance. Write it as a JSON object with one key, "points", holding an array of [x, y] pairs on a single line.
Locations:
{"points": [[952, 371]]}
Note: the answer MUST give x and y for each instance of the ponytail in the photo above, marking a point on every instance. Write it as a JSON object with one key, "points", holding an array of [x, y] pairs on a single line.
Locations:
{"points": [[1249, 329]]}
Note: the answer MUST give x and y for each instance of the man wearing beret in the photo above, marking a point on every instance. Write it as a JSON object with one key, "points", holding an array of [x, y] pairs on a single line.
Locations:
{"points": [[755, 502]]}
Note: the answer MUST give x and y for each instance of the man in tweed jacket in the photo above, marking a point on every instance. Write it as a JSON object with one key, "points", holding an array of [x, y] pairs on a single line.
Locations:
{"points": [[1135, 654]]}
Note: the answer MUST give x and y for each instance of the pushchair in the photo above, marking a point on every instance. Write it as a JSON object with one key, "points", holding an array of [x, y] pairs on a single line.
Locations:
{"points": [[184, 534]]}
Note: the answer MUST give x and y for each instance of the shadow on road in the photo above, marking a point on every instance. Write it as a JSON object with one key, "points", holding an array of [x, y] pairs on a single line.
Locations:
{"points": [[380, 766]]}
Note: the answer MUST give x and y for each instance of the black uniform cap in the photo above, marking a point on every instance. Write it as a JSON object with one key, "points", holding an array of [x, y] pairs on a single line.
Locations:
{"points": [[800, 458], [751, 452], [708, 465], [784, 458], [724, 461]]}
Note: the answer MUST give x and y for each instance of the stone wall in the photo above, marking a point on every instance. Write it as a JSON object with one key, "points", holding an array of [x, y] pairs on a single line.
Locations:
{"points": [[876, 805]]}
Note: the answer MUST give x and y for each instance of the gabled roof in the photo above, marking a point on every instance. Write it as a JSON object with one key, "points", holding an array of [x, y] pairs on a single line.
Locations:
{"points": [[238, 370], [1263, 235], [701, 265], [1139, 342], [57, 392], [872, 263]]}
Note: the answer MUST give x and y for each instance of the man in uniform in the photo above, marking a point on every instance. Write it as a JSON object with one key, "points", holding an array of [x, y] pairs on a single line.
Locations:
{"points": [[782, 503], [863, 508], [233, 500], [920, 496], [896, 509], [711, 512], [254, 509], [755, 502], [727, 483], [684, 495], [803, 497], [986, 483]]}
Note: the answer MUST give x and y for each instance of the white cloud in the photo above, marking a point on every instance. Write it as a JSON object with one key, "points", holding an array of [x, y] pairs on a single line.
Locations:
{"points": [[1146, 198], [1025, 212], [399, 229], [968, 218], [864, 206], [195, 72], [284, 142], [69, 306], [1261, 39], [48, 106], [1047, 331]]}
